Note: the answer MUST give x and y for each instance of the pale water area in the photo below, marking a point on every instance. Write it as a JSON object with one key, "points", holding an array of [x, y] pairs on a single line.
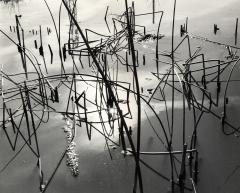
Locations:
{"points": [[219, 157]]}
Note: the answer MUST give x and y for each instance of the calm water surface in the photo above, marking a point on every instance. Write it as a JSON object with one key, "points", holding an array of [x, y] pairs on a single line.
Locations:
{"points": [[97, 172]]}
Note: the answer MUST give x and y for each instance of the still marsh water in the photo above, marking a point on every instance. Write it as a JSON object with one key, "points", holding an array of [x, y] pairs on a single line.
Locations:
{"points": [[219, 159]]}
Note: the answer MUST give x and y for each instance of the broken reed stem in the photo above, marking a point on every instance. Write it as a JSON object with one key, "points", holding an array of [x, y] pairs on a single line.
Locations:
{"points": [[157, 56], [236, 31], [51, 53], [135, 74], [26, 116], [153, 13], [32, 118], [172, 113], [20, 46]]}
